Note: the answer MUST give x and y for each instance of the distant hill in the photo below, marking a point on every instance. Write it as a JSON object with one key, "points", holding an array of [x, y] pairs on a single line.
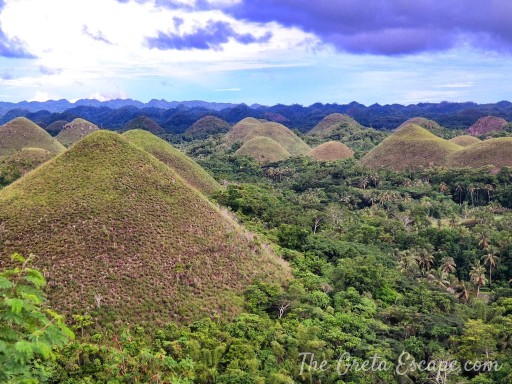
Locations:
{"points": [[410, 147], [120, 236], [333, 123], [22, 133], [55, 127], [145, 123], [486, 125], [17, 164], [207, 126], [496, 152], [429, 125], [263, 149], [250, 128], [331, 151], [465, 140], [187, 168], [75, 131]]}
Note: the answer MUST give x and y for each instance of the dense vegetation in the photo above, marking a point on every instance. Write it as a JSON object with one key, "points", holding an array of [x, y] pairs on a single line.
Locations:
{"points": [[388, 267]]}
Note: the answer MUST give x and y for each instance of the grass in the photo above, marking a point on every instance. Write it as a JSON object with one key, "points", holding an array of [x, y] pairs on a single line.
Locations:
{"points": [[207, 126], [465, 140], [187, 168], [119, 235], [55, 127], [22, 133], [75, 131], [145, 123], [19, 163], [250, 128], [429, 125], [496, 152], [487, 124], [264, 150], [333, 123], [410, 147], [331, 151]]}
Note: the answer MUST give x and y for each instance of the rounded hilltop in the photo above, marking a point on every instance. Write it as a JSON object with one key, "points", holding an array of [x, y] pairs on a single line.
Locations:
{"points": [[332, 123], [486, 125], [22, 133], [263, 149], [75, 131], [410, 147], [493, 152], [145, 123], [331, 151], [465, 140], [187, 168], [119, 235], [207, 126]]}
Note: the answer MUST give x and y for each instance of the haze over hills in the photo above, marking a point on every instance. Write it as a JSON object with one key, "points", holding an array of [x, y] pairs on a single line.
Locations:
{"points": [[112, 229], [22, 133], [188, 169]]}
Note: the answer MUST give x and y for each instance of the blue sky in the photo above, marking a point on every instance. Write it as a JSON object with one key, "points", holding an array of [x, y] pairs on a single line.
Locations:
{"points": [[257, 51]]}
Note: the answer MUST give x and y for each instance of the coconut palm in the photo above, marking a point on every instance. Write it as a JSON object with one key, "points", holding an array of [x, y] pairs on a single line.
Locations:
{"points": [[462, 291], [425, 259], [491, 259], [448, 265], [477, 276]]}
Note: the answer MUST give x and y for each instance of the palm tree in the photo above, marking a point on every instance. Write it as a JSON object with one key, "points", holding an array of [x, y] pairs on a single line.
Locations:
{"points": [[425, 260], [443, 187], [477, 276], [471, 191], [459, 190], [491, 259], [489, 188], [407, 261], [448, 265], [484, 240], [363, 183], [462, 291]]}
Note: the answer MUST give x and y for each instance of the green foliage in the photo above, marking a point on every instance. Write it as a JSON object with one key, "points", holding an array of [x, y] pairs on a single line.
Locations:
{"points": [[29, 329]]}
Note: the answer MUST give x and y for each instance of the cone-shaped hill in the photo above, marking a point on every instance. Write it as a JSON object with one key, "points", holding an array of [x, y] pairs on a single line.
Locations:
{"points": [[75, 131], [497, 152], [187, 168], [22, 133], [145, 123], [487, 124], [429, 125], [250, 128], [207, 126], [410, 147], [120, 235], [333, 123], [331, 151], [55, 127], [263, 149], [465, 140]]}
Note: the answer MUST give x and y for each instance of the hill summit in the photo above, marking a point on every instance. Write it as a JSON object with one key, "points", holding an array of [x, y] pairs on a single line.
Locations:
{"points": [[207, 126], [121, 236], [487, 124], [187, 168], [263, 149], [410, 147], [75, 131], [250, 128], [493, 152], [22, 133], [333, 123], [331, 151], [145, 123]]}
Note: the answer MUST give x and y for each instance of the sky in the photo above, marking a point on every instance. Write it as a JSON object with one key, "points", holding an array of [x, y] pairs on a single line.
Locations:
{"points": [[257, 51]]}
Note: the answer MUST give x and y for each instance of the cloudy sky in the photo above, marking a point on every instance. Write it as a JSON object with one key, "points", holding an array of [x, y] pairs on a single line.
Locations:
{"points": [[257, 51]]}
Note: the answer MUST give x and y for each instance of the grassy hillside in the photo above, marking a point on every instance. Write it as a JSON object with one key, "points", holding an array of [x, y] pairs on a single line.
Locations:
{"points": [[75, 131], [22, 133], [465, 140], [16, 165], [431, 126], [187, 168], [331, 151], [55, 127], [120, 235], [207, 126], [263, 150], [497, 152], [487, 124], [250, 128], [410, 147], [145, 123], [334, 122]]}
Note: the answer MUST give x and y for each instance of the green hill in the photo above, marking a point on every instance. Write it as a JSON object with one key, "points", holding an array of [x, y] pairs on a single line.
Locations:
{"points": [[119, 235], [250, 128], [465, 140], [486, 125], [187, 168], [429, 125], [263, 149], [410, 147], [145, 123], [331, 151], [22, 133], [207, 126], [55, 127], [497, 152], [17, 164], [75, 131], [333, 123]]}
